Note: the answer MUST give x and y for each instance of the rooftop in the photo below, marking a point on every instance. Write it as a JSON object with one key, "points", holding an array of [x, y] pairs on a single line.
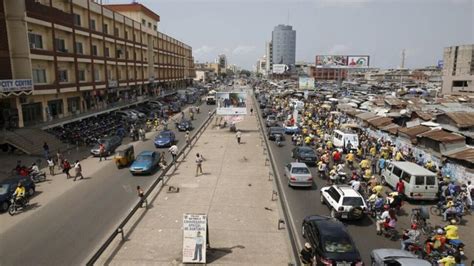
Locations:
{"points": [[462, 119], [464, 155], [412, 132], [442, 136], [134, 7]]}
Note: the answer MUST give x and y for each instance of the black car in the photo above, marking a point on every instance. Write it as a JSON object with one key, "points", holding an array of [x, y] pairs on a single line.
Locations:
{"points": [[266, 112], [8, 186], [184, 125], [110, 143], [273, 131], [304, 154], [332, 244]]}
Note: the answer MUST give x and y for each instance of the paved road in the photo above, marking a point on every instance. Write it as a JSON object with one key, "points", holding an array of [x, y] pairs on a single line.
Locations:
{"points": [[67, 229]]}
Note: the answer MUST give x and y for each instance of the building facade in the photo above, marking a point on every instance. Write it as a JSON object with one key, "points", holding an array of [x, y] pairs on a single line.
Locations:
{"points": [[269, 56], [329, 73], [62, 58], [222, 61], [284, 45], [458, 70]]}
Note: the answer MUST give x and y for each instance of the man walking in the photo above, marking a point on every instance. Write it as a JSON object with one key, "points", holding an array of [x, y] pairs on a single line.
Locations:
{"points": [[102, 152], [198, 164], [46, 150], [186, 137], [238, 135], [78, 170], [141, 196], [174, 152], [51, 165]]}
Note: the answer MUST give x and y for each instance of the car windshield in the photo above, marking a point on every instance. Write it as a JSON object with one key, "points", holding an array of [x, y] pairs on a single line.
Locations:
{"points": [[306, 151], [271, 117], [300, 170], [143, 158], [277, 130], [337, 244], [4, 188], [165, 135], [352, 201]]}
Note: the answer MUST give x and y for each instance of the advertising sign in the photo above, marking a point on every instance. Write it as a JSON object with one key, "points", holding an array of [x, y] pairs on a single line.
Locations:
{"points": [[440, 63], [306, 83], [331, 60], [15, 85], [358, 61], [231, 103], [280, 68], [194, 238]]}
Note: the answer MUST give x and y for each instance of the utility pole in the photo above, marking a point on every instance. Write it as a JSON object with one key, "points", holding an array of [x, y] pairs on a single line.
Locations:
{"points": [[402, 67]]}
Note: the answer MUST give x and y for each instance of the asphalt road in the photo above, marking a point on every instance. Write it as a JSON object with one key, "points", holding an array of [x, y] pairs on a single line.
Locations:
{"points": [[67, 230], [306, 201]]}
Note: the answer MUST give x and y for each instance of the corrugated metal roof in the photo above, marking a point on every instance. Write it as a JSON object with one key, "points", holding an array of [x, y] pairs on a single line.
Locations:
{"points": [[465, 155], [462, 119], [413, 131], [423, 115], [366, 116], [442, 136], [380, 121]]}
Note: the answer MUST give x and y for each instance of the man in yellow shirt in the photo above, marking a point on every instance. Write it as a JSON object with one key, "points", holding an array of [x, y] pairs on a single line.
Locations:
{"points": [[447, 261], [399, 156], [364, 164], [373, 151], [378, 189], [19, 193], [451, 230]]}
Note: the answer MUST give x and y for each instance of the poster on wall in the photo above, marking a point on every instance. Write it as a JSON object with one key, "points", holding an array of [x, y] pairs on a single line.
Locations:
{"points": [[194, 238], [306, 83], [358, 61], [331, 61], [231, 103]]}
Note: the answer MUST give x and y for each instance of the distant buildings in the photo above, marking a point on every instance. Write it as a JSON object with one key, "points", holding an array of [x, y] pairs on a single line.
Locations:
{"points": [[458, 70], [261, 66], [222, 61], [281, 49], [269, 56]]}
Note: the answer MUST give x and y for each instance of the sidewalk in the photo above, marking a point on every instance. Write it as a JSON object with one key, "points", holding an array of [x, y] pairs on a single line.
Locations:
{"points": [[235, 193]]}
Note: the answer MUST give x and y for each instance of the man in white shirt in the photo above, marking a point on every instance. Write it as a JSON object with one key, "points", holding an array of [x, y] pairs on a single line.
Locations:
{"points": [[174, 152], [381, 220], [355, 184]]}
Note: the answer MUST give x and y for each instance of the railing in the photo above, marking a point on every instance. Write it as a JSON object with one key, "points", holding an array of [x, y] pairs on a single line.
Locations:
{"points": [[291, 233], [161, 178]]}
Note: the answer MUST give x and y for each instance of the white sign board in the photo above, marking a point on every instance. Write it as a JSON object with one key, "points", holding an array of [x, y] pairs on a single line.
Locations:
{"points": [[279, 68], [194, 238], [231, 103], [14, 85]]}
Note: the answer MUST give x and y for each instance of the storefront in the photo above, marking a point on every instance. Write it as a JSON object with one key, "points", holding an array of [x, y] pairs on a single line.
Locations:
{"points": [[55, 109], [32, 113]]}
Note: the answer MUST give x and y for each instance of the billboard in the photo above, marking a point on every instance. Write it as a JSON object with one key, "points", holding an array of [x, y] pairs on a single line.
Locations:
{"points": [[194, 238], [342, 61], [358, 61], [306, 83], [231, 103], [280, 68]]}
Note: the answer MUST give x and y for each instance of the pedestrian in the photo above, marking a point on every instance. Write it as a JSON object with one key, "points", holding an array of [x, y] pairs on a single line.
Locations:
{"points": [[198, 164], [59, 160], [238, 135], [102, 153], [174, 152], [306, 254], [51, 165], [46, 150], [78, 170], [141, 196], [186, 137], [66, 168]]}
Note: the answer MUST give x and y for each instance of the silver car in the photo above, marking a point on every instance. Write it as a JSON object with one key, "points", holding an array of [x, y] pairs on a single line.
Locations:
{"points": [[389, 256], [271, 121], [298, 175]]}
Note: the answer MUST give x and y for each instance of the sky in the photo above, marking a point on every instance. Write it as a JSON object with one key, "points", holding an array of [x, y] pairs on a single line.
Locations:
{"points": [[378, 28]]}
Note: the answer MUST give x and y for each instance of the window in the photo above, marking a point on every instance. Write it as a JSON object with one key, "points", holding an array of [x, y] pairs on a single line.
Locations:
{"points": [[155, 27], [116, 32], [106, 52], [92, 24], [39, 76], [62, 75], [60, 45], [143, 22], [352, 201], [149, 25], [81, 75], [430, 180], [406, 177], [77, 19], [334, 194], [106, 28], [36, 41], [397, 171], [126, 34], [96, 75], [79, 48], [460, 83], [419, 181], [94, 49]]}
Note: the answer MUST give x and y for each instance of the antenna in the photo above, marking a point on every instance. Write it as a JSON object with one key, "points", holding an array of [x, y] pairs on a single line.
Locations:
{"points": [[403, 59]]}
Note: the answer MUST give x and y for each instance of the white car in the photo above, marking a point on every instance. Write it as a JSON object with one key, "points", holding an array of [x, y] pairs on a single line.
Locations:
{"points": [[298, 175], [344, 202]]}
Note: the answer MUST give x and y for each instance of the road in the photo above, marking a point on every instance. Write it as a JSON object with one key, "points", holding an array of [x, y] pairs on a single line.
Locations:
{"points": [[64, 231]]}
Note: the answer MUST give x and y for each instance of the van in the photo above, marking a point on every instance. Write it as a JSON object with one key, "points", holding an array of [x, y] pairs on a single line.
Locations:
{"points": [[341, 138], [420, 183]]}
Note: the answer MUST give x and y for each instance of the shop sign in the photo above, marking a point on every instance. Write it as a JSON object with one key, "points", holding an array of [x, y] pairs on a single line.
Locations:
{"points": [[15, 85]]}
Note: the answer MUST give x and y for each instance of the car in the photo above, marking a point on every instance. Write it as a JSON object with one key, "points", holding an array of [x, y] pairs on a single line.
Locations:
{"points": [[266, 112], [184, 125], [139, 114], [292, 129], [273, 131], [271, 121], [145, 163], [391, 256], [126, 115], [343, 201], [166, 138], [110, 143], [304, 154], [298, 175], [331, 241], [8, 186]]}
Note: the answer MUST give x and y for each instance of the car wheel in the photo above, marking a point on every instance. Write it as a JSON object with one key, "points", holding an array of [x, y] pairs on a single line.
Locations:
{"points": [[322, 199], [333, 213], [4, 206], [31, 192]]}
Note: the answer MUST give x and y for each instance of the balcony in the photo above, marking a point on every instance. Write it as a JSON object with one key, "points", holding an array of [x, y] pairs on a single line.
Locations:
{"points": [[43, 12]]}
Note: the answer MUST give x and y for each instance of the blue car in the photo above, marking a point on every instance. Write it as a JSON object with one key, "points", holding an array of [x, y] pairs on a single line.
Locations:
{"points": [[166, 138], [145, 163]]}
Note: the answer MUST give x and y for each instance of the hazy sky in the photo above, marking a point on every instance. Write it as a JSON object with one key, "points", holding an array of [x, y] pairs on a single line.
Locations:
{"points": [[379, 28]]}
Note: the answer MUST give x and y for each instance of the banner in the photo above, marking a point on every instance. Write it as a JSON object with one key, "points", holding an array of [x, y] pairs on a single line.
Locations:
{"points": [[331, 60], [358, 61], [231, 103], [16, 85], [279, 68], [194, 238], [306, 83]]}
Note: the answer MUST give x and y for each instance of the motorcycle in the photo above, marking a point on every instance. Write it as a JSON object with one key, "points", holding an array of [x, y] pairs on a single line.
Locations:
{"points": [[15, 206], [38, 177], [278, 138]]}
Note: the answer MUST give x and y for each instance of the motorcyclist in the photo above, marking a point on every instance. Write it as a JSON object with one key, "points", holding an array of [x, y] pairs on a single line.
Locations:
{"points": [[437, 242], [451, 230], [19, 193], [410, 237], [448, 260], [449, 208], [350, 159], [34, 170]]}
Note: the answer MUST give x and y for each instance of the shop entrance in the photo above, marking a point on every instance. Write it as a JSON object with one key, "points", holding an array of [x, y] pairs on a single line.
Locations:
{"points": [[55, 108], [32, 114]]}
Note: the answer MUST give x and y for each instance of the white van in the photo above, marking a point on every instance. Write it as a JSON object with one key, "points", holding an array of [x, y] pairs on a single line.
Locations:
{"points": [[341, 138], [420, 183]]}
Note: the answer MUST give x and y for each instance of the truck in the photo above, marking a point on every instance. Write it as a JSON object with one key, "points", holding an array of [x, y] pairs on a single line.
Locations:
{"points": [[211, 98]]}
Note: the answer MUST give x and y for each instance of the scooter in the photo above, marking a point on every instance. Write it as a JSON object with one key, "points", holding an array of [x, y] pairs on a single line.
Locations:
{"points": [[38, 177]]}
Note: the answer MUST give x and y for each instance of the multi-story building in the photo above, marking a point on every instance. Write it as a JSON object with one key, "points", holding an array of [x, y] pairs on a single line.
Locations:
{"points": [[269, 55], [329, 73], [261, 65], [222, 61], [458, 70], [284, 45], [62, 58]]}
